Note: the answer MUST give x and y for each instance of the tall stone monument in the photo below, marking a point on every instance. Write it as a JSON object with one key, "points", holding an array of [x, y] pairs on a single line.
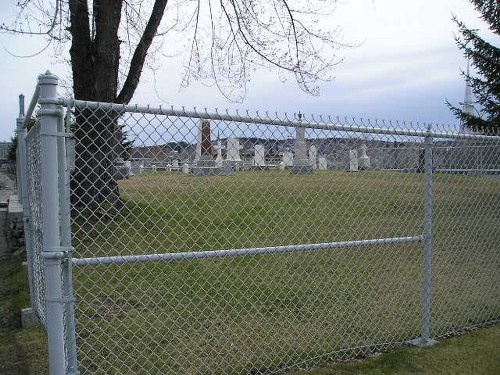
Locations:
{"points": [[205, 166], [300, 161], [197, 155]]}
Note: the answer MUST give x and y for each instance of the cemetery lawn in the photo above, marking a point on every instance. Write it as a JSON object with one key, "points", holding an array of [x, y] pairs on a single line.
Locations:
{"points": [[473, 353], [258, 313], [23, 352]]}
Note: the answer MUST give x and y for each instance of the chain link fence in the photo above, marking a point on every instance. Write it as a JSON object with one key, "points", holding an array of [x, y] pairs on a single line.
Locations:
{"points": [[219, 243], [34, 223]]}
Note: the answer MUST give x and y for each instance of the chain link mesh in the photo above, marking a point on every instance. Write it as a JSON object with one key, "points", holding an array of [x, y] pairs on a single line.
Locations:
{"points": [[34, 222], [204, 187], [467, 238]]}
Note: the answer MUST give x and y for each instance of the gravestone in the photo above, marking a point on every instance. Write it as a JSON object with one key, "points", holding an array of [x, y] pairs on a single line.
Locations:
{"points": [[175, 164], [322, 164], [313, 154], [233, 150], [205, 166], [169, 167], [364, 159], [300, 161], [141, 168], [233, 158], [353, 160], [128, 164], [282, 165], [219, 159], [153, 168], [185, 168], [259, 159], [288, 158]]}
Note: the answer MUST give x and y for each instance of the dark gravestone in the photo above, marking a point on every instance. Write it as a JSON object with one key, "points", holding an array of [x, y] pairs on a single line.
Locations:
{"points": [[206, 166]]}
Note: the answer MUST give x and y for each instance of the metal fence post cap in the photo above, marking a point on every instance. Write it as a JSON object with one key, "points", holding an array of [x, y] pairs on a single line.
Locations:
{"points": [[48, 79]]}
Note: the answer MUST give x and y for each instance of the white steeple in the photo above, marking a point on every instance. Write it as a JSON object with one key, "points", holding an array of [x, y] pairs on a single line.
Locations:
{"points": [[468, 106]]}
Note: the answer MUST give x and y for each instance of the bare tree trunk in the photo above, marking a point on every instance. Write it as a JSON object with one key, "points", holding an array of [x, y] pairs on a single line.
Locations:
{"points": [[95, 60], [95, 65]]}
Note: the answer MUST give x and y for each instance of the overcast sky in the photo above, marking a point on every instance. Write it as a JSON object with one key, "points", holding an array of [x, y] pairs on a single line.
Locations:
{"points": [[405, 68]]}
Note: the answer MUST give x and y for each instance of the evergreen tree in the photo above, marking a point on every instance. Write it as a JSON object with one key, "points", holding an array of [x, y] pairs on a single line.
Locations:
{"points": [[485, 58]]}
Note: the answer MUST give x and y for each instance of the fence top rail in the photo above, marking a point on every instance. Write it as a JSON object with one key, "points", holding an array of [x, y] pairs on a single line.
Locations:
{"points": [[297, 120], [31, 107]]}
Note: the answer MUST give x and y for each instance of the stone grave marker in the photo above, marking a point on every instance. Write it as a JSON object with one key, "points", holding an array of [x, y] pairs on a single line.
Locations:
{"points": [[353, 160], [300, 161], [260, 156], [364, 159], [322, 164], [288, 158], [313, 154], [205, 166]]}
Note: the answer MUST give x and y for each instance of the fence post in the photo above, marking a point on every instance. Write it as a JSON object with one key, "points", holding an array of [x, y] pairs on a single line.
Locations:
{"points": [[53, 254], [425, 339], [21, 149], [65, 217]]}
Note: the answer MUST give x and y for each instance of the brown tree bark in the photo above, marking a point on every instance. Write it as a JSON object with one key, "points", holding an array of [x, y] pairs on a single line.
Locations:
{"points": [[95, 62]]}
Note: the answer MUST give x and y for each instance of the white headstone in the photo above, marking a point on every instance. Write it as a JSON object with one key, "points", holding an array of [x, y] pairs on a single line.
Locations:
{"points": [[175, 164], [313, 154], [288, 158], [233, 149], [185, 168], [128, 164], [353, 160], [282, 165], [260, 156], [322, 164], [364, 159], [169, 167], [141, 168], [218, 159], [153, 167]]}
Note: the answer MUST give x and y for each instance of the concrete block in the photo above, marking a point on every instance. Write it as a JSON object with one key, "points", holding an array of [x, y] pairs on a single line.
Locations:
{"points": [[29, 318]]}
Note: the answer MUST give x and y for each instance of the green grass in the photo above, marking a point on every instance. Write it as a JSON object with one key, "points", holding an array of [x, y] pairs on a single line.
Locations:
{"points": [[269, 312], [259, 313], [474, 353], [21, 351]]}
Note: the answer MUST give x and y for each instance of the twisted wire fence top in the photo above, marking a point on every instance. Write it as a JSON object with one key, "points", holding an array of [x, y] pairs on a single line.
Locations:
{"points": [[327, 122]]}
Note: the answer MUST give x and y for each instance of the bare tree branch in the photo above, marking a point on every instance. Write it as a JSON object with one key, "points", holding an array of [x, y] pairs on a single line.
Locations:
{"points": [[141, 51]]}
